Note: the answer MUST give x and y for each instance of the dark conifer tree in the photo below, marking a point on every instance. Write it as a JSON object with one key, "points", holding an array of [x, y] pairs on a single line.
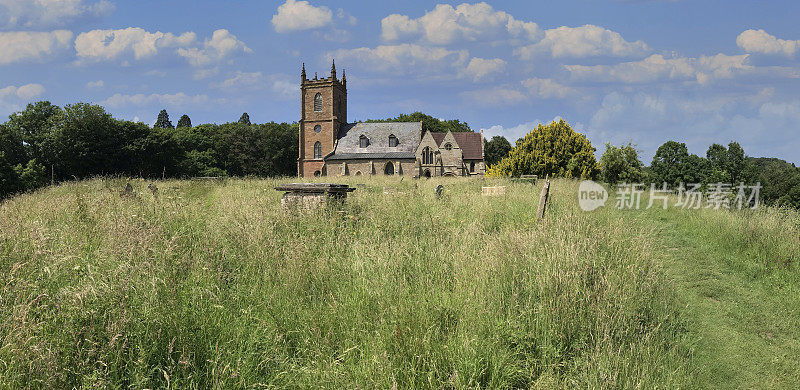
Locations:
{"points": [[185, 121], [244, 119], [163, 121]]}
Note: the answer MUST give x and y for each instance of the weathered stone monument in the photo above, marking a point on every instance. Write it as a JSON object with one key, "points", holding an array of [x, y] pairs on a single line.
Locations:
{"points": [[311, 196]]}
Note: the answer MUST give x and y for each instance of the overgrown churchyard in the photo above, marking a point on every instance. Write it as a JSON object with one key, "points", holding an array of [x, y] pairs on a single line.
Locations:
{"points": [[589, 194]]}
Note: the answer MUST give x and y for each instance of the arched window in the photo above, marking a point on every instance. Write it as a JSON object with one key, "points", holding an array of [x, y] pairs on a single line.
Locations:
{"points": [[317, 174], [389, 169], [427, 156], [317, 150], [318, 102], [363, 141], [448, 146], [317, 128], [393, 141]]}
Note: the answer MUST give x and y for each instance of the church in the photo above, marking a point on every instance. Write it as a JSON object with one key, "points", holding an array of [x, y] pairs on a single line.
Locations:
{"points": [[330, 146]]}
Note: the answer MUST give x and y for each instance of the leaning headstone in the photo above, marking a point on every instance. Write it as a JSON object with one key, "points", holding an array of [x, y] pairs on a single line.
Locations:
{"points": [[439, 190]]}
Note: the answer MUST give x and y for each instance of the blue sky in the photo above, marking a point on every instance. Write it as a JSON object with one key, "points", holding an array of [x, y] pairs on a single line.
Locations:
{"points": [[695, 71]]}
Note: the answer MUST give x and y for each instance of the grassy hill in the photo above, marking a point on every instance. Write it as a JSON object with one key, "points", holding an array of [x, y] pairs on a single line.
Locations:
{"points": [[211, 285]]}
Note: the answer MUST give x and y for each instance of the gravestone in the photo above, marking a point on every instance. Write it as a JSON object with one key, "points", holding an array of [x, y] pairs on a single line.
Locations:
{"points": [[312, 196], [127, 192]]}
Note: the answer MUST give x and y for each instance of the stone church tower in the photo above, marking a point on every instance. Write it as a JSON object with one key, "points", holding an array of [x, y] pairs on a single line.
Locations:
{"points": [[323, 110]]}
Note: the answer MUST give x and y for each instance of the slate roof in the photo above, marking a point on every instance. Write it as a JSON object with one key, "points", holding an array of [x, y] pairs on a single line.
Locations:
{"points": [[471, 145], [408, 134]]}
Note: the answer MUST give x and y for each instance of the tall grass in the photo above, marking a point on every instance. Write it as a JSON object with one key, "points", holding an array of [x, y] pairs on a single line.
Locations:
{"points": [[214, 286]]}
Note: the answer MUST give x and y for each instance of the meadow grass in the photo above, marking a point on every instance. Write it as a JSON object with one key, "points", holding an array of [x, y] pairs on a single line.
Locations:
{"points": [[212, 285]]}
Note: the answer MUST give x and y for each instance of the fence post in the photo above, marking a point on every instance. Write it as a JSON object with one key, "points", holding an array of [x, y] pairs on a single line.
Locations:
{"points": [[543, 198]]}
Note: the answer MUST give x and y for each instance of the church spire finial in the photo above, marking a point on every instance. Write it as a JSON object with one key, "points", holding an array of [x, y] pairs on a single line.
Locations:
{"points": [[303, 73], [333, 70], [344, 77]]}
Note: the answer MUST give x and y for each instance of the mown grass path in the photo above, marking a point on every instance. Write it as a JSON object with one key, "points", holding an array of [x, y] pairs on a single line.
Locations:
{"points": [[741, 297]]}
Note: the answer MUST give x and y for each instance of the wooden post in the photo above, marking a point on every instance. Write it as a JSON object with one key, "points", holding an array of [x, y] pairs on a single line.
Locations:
{"points": [[52, 175], [543, 200]]}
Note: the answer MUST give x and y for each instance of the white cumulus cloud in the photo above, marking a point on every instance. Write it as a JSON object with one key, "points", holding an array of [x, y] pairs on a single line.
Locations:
{"points": [[49, 13], [21, 46], [139, 44], [405, 59], [496, 96], [420, 61], [103, 45], [759, 41], [301, 15], [763, 126], [584, 41], [281, 86], [547, 89], [179, 99], [25, 92], [95, 84], [480, 68], [446, 24], [221, 45], [656, 68]]}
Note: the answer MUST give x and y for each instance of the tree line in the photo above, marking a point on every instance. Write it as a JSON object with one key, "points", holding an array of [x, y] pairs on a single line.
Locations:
{"points": [[45, 143], [559, 151]]}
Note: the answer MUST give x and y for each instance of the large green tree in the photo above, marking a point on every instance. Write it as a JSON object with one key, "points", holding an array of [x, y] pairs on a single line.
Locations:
{"points": [[84, 141], [244, 119], [621, 164], [495, 149], [718, 169], [780, 181], [672, 164], [555, 149], [729, 165], [32, 126]]}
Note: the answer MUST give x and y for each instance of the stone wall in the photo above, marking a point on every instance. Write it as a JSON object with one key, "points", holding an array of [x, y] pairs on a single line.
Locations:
{"points": [[404, 167]]}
